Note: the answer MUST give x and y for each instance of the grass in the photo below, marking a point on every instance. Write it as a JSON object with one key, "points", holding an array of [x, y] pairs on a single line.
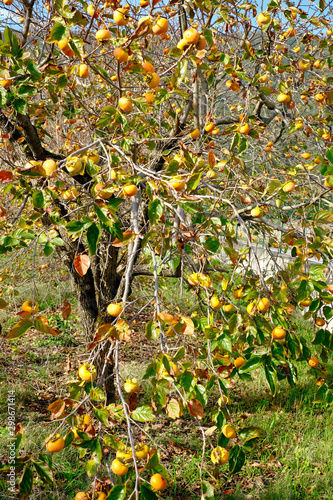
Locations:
{"points": [[294, 461]]}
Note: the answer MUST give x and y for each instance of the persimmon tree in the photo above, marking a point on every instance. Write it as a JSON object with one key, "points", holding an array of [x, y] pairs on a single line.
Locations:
{"points": [[166, 139]]}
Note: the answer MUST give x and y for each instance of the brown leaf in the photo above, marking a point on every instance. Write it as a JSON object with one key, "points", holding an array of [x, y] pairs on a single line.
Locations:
{"points": [[188, 327], [57, 408], [6, 175], [104, 332], [82, 264], [66, 310], [195, 408], [18, 429], [128, 237]]}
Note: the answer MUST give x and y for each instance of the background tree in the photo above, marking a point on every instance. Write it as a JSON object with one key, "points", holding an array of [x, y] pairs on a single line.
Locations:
{"points": [[167, 140]]}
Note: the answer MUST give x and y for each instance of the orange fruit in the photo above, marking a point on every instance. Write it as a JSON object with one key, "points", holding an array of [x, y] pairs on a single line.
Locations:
{"points": [[313, 362], [263, 304], [81, 496], [131, 386], [178, 185], [195, 134], [191, 36], [278, 333], [158, 482], [161, 26], [239, 362], [244, 129], [263, 18], [121, 55], [153, 80], [55, 444], [148, 67]]}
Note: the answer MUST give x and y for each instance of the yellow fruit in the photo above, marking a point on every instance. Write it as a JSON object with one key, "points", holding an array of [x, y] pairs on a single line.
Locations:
{"points": [[257, 212], [191, 36], [161, 26], [131, 386], [306, 156], [158, 482], [230, 84], [239, 362], [81, 496], [228, 308], [121, 55], [263, 79], [83, 71], [5, 83], [56, 443], [114, 309], [320, 322], [319, 97], [288, 187], [70, 194], [229, 431], [87, 372], [102, 193], [263, 18], [304, 65], [178, 185], [215, 303], [194, 134], [49, 166], [209, 127], [263, 304], [130, 190], [305, 302], [278, 333], [219, 455], [125, 455], [120, 17], [313, 362], [244, 129], [250, 308], [30, 307], [238, 293], [117, 466], [91, 11], [283, 98], [125, 104], [142, 451]]}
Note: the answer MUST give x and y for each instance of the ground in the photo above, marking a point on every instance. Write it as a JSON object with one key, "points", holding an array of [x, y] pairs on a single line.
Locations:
{"points": [[293, 461]]}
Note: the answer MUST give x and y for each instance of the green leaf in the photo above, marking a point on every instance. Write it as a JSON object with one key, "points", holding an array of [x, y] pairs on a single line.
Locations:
{"points": [[25, 483], [3, 303], [58, 32], [19, 329], [155, 211], [181, 71], [77, 226], [236, 459], [153, 461], [235, 141], [38, 199], [93, 235], [251, 432], [234, 323], [243, 144], [320, 396], [147, 494], [48, 249], [193, 181], [33, 69], [44, 471], [329, 154], [102, 415], [207, 491], [253, 363], [316, 272], [212, 244], [152, 333], [143, 413], [118, 492], [271, 378]]}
